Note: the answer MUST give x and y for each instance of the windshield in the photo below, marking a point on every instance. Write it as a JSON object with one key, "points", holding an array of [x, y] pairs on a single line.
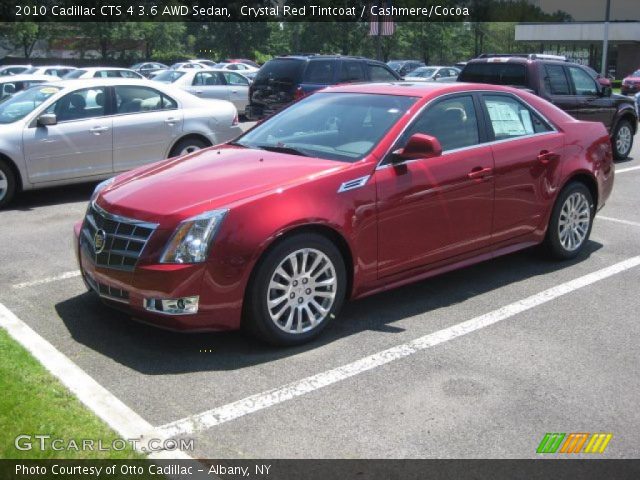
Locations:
{"points": [[422, 72], [395, 64], [30, 70], [334, 126], [75, 73], [168, 76], [25, 102]]}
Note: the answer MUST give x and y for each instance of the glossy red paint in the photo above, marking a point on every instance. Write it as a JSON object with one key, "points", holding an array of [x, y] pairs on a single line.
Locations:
{"points": [[409, 221]]}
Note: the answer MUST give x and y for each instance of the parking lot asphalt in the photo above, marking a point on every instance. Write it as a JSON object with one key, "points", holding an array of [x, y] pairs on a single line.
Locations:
{"points": [[567, 365]]}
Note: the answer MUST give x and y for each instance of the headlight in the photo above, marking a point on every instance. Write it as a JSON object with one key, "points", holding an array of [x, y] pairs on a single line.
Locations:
{"points": [[101, 186], [191, 240]]}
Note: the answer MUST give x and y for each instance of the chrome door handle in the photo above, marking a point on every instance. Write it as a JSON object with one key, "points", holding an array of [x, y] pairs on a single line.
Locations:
{"points": [[98, 130], [198, 92], [234, 91], [171, 120], [546, 156], [480, 172]]}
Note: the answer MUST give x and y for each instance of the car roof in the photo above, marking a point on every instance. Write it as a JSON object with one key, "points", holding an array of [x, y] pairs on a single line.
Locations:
{"points": [[92, 69], [324, 57], [93, 82], [415, 89], [31, 76]]}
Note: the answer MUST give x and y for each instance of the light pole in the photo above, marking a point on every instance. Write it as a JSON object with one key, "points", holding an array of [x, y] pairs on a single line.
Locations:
{"points": [[605, 42]]}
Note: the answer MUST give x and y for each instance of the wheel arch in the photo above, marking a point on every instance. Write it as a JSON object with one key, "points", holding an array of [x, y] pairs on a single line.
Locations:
{"points": [[589, 181], [14, 168], [629, 116], [194, 135]]}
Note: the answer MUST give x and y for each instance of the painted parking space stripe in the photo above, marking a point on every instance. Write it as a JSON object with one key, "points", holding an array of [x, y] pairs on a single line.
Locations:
{"points": [[629, 169], [619, 220], [269, 398], [42, 281], [98, 399]]}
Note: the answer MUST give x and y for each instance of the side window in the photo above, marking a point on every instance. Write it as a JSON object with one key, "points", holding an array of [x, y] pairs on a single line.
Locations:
{"points": [[235, 79], [378, 73], [79, 105], [134, 99], [319, 71], [127, 74], [207, 79], [582, 81], [351, 72], [510, 118], [556, 81], [452, 121]]}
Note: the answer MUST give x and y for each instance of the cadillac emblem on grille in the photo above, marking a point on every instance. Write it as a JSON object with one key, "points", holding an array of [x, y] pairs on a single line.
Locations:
{"points": [[99, 241]]}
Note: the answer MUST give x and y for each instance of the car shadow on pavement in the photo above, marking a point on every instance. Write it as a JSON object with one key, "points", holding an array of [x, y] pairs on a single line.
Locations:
{"points": [[152, 351], [32, 199]]}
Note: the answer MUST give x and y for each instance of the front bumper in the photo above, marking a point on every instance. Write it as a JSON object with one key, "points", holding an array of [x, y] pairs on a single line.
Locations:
{"points": [[630, 89], [131, 291]]}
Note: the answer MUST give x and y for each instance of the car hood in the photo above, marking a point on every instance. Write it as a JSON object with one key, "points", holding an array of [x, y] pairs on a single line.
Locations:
{"points": [[172, 190], [631, 79]]}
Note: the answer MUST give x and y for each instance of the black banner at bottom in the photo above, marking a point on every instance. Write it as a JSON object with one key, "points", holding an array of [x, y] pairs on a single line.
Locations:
{"points": [[543, 469]]}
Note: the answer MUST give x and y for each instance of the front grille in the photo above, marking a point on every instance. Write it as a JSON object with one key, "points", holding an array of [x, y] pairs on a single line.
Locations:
{"points": [[107, 291], [122, 239]]}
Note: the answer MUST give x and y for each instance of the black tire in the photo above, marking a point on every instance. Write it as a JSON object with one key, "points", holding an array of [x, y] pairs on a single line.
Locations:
{"points": [[257, 318], [621, 149], [8, 183], [554, 240], [187, 145]]}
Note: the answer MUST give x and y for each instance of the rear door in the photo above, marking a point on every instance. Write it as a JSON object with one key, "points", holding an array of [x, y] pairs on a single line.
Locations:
{"points": [[558, 88], [209, 85], [351, 71], [146, 123], [527, 152], [318, 74], [238, 89]]}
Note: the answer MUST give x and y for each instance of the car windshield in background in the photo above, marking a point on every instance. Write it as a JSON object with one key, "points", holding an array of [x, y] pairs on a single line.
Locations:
{"points": [[75, 73], [422, 72], [495, 73], [25, 102], [284, 72], [168, 76], [635, 74], [335, 126]]}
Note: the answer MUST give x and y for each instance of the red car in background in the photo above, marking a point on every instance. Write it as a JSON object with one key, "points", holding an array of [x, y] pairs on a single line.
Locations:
{"points": [[631, 84], [351, 191]]}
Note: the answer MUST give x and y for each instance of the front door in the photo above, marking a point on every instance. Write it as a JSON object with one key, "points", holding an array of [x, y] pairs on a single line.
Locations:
{"points": [[592, 106], [79, 145], [436, 208]]}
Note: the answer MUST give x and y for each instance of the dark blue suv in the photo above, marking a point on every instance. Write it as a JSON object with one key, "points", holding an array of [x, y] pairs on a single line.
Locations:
{"points": [[285, 79]]}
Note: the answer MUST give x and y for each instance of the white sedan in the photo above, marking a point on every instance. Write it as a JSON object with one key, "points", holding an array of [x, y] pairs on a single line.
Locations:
{"points": [[237, 67], [84, 130], [102, 72], [220, 84]]}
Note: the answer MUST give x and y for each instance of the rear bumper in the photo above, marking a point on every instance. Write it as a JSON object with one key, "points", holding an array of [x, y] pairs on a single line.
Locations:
{"points": [[219, 307]]}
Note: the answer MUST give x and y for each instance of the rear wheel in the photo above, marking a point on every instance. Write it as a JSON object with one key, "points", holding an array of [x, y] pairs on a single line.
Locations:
{"points": [[622, 140], [571, 221], [296, 291], [7, 183], [186, 146]]}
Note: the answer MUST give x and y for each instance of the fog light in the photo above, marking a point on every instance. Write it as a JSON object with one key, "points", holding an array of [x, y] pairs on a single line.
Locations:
{"points": [[172, 306]]}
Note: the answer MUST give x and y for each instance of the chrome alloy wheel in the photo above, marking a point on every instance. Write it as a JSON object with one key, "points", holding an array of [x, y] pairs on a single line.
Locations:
{"points": [[623, 139], [302, 291], [4, 185], [575, 218], [189, 149]]}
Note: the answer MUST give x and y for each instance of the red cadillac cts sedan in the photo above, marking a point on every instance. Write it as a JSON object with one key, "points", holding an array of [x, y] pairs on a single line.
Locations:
{"points": [[351, 191]]}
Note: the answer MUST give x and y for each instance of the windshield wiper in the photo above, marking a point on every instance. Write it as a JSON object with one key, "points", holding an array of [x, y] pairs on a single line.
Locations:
{"points": [[237, 144], [282, 149]]}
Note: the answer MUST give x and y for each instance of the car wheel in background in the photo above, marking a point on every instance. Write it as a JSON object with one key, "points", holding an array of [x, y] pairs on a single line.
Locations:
{"points": [[571, 221], [296, 291], [7, 183], [622, 140], [186, 146]]}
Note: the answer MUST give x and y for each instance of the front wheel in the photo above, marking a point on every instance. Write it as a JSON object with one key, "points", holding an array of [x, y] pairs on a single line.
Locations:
{"points": [[186, 146], [622, 140], [7, 183], [297, 289], [571, 221]]}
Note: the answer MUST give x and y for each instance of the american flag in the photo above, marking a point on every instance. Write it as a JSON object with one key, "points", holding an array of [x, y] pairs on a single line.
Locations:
{"points": [[381, 24]]}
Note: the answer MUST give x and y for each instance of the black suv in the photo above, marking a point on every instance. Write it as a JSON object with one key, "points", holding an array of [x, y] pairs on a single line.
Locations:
{"points": [[569, 86], [284, 79]]}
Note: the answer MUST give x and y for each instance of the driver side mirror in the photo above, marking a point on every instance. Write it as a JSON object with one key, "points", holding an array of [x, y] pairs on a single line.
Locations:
{"points": [[418, 146], [47, 119], [606, 91]]}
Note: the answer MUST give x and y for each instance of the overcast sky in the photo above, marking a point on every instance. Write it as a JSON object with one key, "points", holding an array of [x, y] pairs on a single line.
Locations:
{"points": [[593, 10]]}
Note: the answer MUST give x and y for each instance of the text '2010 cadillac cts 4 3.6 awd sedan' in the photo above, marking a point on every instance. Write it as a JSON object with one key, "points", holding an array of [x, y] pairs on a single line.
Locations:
{"points": [[351, 191]]}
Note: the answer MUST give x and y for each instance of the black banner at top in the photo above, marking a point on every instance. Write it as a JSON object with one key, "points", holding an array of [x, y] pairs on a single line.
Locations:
{"points": [[311, 11]]}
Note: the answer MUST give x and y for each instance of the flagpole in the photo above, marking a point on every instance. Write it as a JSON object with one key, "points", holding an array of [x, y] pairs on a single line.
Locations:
{"points": [[378, 36]]}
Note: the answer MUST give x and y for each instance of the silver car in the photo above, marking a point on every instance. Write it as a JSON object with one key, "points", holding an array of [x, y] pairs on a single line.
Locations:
{"points": [[84, 130], [53, 70], [220, 84], [102, 72], [12, 84], [433, 74]]}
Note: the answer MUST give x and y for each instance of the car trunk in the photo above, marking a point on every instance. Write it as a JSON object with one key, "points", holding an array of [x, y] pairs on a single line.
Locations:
{"points": [[276, 83]]}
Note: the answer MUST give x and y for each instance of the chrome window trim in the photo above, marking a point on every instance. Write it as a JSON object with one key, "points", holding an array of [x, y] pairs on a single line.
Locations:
{"points": [[122, 219], [381, 164]]}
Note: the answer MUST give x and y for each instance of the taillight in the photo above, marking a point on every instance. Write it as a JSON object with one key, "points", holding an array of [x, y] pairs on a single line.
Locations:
{"points": [[298, 94]]}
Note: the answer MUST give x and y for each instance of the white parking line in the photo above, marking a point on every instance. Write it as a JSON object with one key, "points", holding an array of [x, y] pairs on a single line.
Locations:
{"points": [[624, 170], [98, 399], [619, 220], [42, 281], [260, 401]]}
